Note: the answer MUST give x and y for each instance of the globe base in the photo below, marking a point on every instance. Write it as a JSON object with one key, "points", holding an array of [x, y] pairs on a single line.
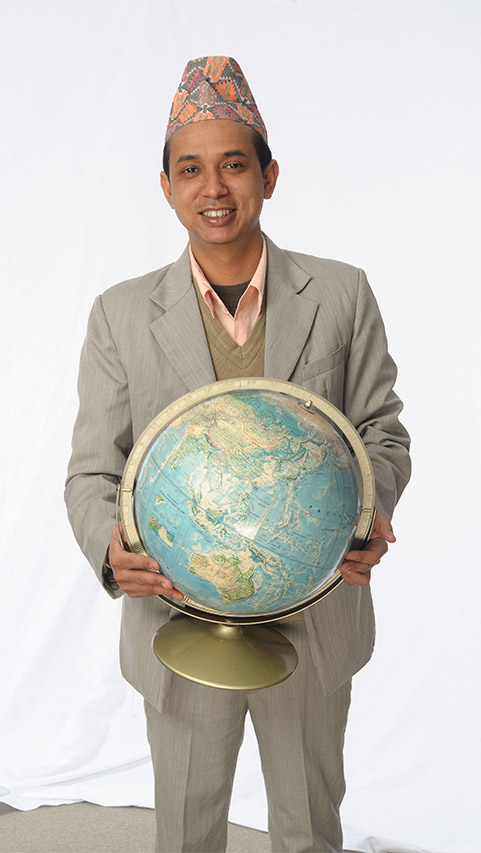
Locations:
{"points": [[231, 657]]}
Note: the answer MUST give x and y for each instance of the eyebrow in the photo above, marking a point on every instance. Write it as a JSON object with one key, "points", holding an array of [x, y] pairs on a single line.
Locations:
{"points": [[237, 152]]}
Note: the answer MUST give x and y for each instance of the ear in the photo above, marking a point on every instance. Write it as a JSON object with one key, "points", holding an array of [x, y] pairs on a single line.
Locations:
{"points": [[271, 174], [166, 188]]}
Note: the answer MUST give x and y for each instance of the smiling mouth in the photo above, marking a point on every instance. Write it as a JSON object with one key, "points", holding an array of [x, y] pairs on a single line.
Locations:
{"points": [[217, 214]]}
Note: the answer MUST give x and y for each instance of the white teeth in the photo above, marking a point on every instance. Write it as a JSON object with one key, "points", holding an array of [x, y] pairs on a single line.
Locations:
{"points": [[216, 214]]}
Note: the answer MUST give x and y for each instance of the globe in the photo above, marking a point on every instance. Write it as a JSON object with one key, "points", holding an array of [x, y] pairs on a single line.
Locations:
{"points": [[248, 493]]}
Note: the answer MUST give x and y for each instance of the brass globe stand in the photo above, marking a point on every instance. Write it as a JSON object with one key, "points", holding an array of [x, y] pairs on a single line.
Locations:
{"points": [[234, 657]]}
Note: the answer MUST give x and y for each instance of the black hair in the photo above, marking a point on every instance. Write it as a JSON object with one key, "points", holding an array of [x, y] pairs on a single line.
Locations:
{"points": [[263, 152]]}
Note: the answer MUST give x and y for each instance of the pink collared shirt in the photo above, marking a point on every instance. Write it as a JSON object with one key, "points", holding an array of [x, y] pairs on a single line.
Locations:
{"points": [[240, 326]]}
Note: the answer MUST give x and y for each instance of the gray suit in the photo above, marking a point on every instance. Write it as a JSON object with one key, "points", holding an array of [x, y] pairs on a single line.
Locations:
{"points": [[146, 347]]}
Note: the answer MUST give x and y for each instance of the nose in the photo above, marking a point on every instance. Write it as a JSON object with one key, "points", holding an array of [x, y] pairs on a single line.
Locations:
{"points": [[214, 185]]}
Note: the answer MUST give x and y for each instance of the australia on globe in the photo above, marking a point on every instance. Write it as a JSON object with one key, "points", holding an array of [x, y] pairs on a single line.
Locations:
{"points": [[248, 495]]}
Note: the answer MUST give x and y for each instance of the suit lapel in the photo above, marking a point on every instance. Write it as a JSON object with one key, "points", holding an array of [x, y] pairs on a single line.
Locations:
{"points": [[180, 333], [179, 330], [289, 317]]}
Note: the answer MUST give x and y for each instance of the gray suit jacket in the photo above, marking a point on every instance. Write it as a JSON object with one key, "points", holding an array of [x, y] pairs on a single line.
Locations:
{"points": [[146, 347]]}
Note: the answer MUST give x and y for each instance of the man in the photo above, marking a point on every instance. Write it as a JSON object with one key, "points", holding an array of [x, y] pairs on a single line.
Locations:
{"points": [[234, 305]]}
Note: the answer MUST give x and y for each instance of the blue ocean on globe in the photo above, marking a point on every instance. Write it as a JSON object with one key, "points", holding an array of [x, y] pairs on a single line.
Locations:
{"points": [[249, 501]]}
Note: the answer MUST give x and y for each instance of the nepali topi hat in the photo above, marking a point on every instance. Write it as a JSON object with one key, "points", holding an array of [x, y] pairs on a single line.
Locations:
{"points": [[214, 87]]}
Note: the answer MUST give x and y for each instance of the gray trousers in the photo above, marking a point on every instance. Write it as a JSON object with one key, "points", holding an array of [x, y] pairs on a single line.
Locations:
{"points": [[195, 741]]}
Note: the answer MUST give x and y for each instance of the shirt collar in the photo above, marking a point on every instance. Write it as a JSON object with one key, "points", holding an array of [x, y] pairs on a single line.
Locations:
{"points": [[257, 282]]}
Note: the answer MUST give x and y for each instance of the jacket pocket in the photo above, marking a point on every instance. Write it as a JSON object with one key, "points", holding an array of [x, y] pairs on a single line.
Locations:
{"points": [[324, 363]]}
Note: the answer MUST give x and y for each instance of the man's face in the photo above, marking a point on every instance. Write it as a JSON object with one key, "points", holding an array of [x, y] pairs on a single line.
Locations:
{"points": [[216, 184]]}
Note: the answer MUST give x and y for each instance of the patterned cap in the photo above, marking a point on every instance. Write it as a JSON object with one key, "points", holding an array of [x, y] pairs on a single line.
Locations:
{"points": [[214, 87]]}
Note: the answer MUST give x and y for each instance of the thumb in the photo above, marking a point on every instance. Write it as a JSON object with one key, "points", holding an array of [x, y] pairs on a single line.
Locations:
{"points": [[388, 532], [383, 527]]}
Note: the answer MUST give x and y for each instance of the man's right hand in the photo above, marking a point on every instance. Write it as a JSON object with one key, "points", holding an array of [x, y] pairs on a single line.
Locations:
{"points": [[138, 576]]}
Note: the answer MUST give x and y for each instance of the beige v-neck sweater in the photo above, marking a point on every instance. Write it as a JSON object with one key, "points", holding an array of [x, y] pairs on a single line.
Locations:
{"points": [[230, 360]]}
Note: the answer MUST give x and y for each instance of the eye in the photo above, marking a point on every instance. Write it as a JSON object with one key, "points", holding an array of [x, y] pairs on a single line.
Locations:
{"points": [[233, 165], [190, 170]]}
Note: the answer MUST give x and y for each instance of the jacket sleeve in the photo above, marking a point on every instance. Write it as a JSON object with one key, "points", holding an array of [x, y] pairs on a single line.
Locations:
{"points": [[102, 440], [371, 404]]}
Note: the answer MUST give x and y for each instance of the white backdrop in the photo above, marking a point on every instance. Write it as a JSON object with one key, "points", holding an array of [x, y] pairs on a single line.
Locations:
{"points": [[372, 108]]}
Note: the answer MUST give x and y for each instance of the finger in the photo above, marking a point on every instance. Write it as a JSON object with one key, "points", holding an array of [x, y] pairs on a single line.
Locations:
{"points": [[146, 582], [139, 591], [122, 559], [174, 593], [136, 582], [356, 567], [371, 554], [129, 575], [128, 560], [144, 592], [360, 561], [353, 577]]}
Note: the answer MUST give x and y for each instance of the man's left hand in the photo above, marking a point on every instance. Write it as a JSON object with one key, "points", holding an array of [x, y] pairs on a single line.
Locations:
{"points": [[356, 568]]}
